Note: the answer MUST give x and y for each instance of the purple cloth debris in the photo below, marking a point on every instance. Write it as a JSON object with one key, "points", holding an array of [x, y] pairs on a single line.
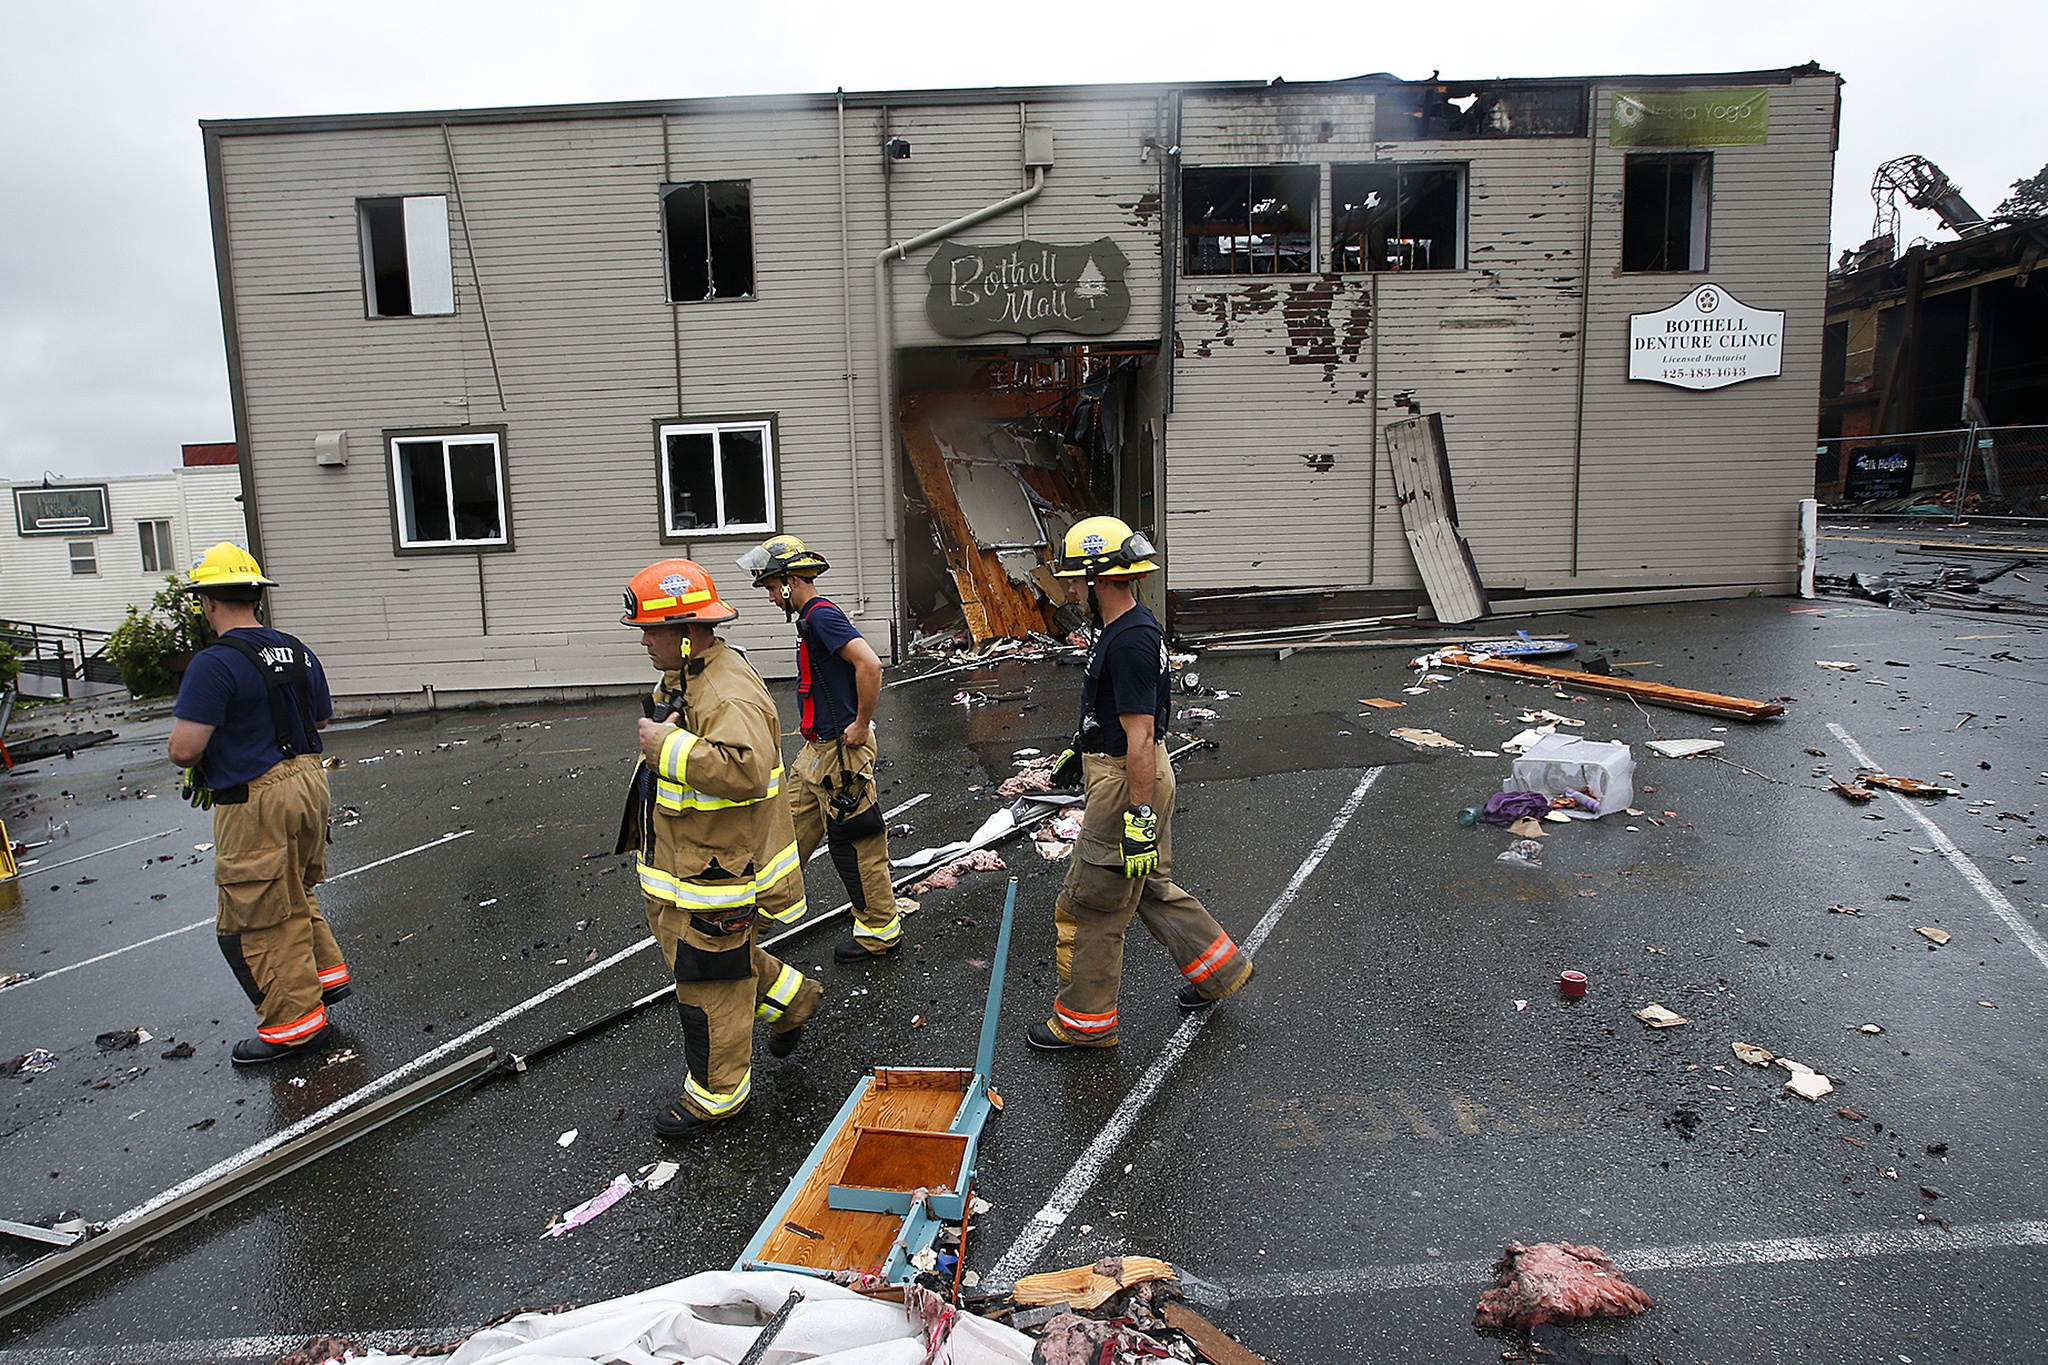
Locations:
{"points": [[1504, 808]]}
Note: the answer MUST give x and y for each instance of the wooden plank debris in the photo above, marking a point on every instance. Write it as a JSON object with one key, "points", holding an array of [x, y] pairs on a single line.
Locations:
{"points": [[1429, 518], [995, 605], [1216, 1347], [1660, 694], [1089, 1286]]}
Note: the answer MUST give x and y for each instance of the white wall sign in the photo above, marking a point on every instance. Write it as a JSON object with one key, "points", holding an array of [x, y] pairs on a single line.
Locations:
{"points": [[1707, 340]]}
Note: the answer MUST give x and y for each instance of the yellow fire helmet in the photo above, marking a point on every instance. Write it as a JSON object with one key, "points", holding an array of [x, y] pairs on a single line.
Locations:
{"points": [[780, 556], [228, 565], [1104, 547]]}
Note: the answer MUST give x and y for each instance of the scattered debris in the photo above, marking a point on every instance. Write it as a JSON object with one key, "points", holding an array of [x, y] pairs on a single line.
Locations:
{"points": [[1661, 694], [1035, 777], [1570, 985], [947, 877], [1805, 1082], [120, 1039], [563, 1224], [1852, 791], [1523, 853], [1684, 748], [1424, 739], [1656, 1016], [1089, 1286], [1586, 778], [1556, 1282], [1380, 703], [31, 1063], [565, 1139], [1871, 1028], [179, 1052], [1928, 931], [1754, 1055], [1843, 665], [347, 1054], [1910, 786], [1216, 1346], [1548, 718], [1844, 910]]}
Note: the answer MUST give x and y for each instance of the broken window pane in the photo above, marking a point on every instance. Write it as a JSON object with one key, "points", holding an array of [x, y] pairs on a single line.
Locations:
{"points": [[1410, 113], [1664, 211], [1256, 220], [1394, 216], [692, 481], [718, 477], [407, 268], [708, 227], [450, 491]]}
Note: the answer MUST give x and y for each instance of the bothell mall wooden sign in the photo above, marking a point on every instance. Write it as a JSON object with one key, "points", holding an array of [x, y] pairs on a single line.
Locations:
{"points": [[1027, 288]]}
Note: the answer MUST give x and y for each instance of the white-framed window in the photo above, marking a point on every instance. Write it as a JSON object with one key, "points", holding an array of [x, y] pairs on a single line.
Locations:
{"points": [[717, 476], [408, 271], [157, 555], [448, 491], [1249, 220], [85, 559]]}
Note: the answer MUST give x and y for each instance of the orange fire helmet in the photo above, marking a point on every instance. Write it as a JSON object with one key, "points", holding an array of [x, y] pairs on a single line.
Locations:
{"points": [[674, 592]]}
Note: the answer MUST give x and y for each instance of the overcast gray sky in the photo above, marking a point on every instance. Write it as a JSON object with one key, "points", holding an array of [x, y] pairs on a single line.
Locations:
{"points": [[110, 349]]}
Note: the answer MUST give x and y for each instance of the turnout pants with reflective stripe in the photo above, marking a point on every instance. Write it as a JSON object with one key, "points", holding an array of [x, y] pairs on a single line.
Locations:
{"points": [[1096, 904], [723, 982], [268, 855], [862, 864]]}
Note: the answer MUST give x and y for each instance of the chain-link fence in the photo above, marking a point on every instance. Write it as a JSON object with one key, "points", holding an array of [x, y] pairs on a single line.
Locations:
{"points": [[1991, 470]]}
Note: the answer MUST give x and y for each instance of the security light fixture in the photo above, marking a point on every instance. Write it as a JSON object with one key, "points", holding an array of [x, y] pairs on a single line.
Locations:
{"points": [[898, 148]]}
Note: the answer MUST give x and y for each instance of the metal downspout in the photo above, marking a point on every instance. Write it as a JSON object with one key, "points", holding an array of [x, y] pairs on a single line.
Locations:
{"points": [[885, 335], [860, 533]]}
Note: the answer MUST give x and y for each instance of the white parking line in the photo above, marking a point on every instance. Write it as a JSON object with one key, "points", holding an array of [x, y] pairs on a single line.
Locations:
{"points": [[1974, 875], [1088, 1166], [52, 867], [202, 923], [1919, 1239]]}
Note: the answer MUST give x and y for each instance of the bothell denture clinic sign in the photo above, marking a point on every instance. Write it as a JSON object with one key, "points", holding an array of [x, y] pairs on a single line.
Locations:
{"points": [[1027, 288], [1707, 340]]}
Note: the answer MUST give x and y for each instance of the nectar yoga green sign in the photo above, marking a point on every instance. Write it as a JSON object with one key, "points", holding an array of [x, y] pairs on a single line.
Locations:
{"points": [[1028, 287], [1724, 117]]}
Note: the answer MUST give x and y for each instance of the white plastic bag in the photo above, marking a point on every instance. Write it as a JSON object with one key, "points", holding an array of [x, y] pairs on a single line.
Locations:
{"points": [[1557, 764]]}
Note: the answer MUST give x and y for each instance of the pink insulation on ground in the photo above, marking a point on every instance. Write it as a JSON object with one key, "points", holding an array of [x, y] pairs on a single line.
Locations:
{"points": [[1036, 777], [947, 877], [1556, 1282]]}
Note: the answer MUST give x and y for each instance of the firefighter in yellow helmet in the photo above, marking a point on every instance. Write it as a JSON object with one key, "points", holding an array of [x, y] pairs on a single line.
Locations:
{"points": [[1122, 863], [832, 793], [710, 828], [246, 728]]}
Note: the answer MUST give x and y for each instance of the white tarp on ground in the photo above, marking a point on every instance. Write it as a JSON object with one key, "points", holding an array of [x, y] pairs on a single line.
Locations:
{"points": [[713, 1319]]}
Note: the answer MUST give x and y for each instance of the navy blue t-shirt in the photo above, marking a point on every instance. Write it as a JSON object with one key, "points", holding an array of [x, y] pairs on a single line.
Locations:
{"points": [[224, 689], [826, 695], [1126, 676]]}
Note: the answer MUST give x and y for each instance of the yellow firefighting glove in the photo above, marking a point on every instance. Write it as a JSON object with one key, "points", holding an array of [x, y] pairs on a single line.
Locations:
{"points": [[1141, 842], [194, 789], [1066, 770]]}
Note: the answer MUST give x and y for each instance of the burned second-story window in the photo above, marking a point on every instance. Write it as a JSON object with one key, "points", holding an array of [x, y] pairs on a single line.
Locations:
{"points": [[1441, 109], [708, 227], [1397, 216], [1249, 220], [1664, 211]]}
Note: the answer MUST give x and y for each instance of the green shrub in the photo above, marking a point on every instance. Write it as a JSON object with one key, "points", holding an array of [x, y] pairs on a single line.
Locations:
{"points": [[147, 645], [10, 657]]}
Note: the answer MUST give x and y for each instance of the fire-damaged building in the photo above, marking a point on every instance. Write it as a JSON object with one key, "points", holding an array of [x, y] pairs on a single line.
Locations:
{"points": [[1338, 346], [1934, 364]]}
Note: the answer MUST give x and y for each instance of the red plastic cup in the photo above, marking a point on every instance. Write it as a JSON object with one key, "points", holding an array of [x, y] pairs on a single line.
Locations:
{"points": [[1571, 985]]}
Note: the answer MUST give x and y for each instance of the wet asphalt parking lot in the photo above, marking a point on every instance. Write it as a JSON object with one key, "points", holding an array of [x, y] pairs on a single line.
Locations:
{"points": [[1343, 1147]]}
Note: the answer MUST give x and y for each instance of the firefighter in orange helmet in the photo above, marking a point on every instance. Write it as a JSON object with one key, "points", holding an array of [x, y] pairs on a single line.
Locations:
{"points": [[1122, 865], [710, 830]]}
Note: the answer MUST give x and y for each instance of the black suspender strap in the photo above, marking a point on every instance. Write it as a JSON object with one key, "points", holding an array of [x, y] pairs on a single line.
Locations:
{"points": [[291, 671]]}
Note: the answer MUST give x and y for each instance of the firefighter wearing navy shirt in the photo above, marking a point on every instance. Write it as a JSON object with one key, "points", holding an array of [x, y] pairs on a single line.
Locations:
{"points": [[832, 795], [1122, 863], [246, 728]]}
